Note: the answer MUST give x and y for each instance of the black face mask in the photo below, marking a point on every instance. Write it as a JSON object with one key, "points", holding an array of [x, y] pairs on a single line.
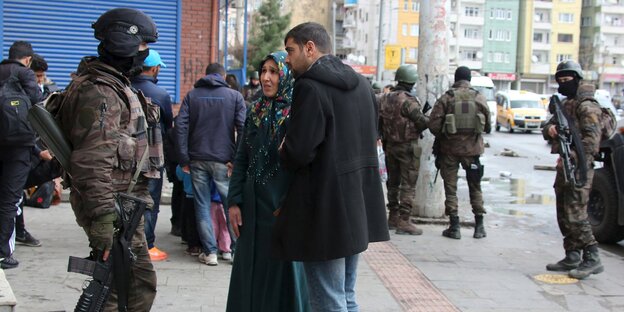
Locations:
{"points": [[568, 88], [129, 66]]}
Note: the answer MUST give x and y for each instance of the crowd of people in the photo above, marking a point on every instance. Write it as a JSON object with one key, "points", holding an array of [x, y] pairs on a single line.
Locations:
{"points": [[280, 178]]}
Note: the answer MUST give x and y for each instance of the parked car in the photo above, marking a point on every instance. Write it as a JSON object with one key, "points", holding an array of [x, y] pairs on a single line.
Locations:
{"points": [[519, 110]]}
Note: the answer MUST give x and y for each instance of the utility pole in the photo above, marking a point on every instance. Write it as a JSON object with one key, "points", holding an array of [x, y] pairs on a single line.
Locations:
{"points": [[380, 66], [433, 81]]}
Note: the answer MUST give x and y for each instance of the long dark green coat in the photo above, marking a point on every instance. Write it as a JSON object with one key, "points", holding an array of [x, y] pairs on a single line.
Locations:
{"points": [[260, 282]]}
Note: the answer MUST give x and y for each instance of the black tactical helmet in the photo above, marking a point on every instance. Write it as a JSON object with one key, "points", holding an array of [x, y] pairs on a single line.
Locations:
{"points": [[406, 73], [568, 67], [122, 30]]}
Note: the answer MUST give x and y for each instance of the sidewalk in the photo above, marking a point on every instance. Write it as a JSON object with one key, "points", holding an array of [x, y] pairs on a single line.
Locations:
{"points": [[41, 282]]}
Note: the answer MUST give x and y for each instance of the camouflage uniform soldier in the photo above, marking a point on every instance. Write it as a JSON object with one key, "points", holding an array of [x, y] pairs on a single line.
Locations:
{"points": [[400, 143], [252, 90], [457, 120], [581, 111], [103, 118]]}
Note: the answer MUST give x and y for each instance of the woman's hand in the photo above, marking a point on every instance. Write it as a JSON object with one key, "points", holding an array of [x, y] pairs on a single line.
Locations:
{"points": [[236, 219]]}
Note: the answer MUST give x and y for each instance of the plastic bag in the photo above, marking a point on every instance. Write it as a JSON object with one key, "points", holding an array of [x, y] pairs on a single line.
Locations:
{"points": [[383, 172]]}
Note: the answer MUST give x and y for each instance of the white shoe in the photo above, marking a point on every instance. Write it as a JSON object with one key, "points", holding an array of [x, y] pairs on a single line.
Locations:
{"points": [[226, 256], [210, 259]]}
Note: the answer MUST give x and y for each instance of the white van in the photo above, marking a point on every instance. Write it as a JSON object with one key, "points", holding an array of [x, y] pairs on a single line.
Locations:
{"points": [[485, 86]]}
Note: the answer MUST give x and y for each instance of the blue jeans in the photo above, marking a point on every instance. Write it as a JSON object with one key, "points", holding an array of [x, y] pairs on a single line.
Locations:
{"points": [[331, 284], [154, 186], [202, 174]]}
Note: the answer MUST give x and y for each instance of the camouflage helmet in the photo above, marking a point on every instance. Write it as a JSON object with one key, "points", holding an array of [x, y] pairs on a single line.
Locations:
{"points": [[254, 75], [377, 86], [406, 73], [569, 67]]}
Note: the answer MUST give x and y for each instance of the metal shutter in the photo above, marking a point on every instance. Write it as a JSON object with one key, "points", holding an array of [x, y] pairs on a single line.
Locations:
{"points": [[61, 32]]}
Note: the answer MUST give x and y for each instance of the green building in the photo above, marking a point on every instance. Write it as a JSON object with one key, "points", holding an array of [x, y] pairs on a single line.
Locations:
{"points": [[500, 40]]}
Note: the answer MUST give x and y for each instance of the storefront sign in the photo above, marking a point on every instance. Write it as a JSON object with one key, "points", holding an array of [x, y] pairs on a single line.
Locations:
{"points": [[502, 76]]}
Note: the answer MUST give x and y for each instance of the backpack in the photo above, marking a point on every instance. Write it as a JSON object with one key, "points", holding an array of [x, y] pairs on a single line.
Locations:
{"points": [[42, 196], [607, 120], [14, 105]]}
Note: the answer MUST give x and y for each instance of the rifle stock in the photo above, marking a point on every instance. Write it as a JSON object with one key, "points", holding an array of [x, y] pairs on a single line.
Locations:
{"points": [[96, 291]]}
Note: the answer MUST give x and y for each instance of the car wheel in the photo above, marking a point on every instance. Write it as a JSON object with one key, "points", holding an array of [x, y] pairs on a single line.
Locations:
{"points": [[602, 208], [511, 130]]}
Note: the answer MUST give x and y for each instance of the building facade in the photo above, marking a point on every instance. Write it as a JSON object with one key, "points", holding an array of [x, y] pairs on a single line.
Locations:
{"points": [[549, 33], [601, 51], [500, 42]]}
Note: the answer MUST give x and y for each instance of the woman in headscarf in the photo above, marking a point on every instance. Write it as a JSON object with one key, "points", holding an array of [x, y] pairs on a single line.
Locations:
{"points": [[258, 183]]}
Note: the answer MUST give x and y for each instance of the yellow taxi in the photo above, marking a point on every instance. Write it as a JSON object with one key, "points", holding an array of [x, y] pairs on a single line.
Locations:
{"points": [[519, 110]]}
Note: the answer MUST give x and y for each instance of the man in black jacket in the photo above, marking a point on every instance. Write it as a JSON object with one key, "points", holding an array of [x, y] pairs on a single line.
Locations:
{"points": [[15, 156], [335, 205]]}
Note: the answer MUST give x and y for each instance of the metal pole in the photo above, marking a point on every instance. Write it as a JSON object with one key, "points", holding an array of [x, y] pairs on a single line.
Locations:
{"points": [[244, 71], [225, 39], [334, 26], [379, 40], [433, 45]]}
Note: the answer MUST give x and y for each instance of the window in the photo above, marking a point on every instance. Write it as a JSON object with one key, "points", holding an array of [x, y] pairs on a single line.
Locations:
{"points": [[413, 53], [498, 57], [414, 28], [472, 11], [507, 58], [586, 21], [415, 5], [564, 38], [614, 60], [540, 57], [471, 33], [499, 35], [489, 57], [405, 5], [509, 15], [566, 18], [542, 16], [587, 2], [538, 37], [404, 29], [563, 57], [468, 54]]}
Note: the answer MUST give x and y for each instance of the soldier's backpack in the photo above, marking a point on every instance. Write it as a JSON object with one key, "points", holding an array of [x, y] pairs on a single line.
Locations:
{"points": [[608, 123], [14, 106]]}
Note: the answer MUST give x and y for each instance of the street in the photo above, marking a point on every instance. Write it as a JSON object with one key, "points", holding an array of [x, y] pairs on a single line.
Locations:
{"points": [[503, 272]]}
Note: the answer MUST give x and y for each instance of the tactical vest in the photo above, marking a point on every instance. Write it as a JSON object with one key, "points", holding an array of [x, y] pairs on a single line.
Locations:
{"points": [[464, 116], [143, 125], [396, 128]]}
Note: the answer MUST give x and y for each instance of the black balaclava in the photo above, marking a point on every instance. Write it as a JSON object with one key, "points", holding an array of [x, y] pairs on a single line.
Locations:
{"points": [[404, 86], [463, 73], [570, 87], [129, 66]]}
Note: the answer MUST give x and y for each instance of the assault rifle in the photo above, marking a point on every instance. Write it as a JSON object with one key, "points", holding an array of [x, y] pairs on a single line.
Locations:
{"points": [[568, 136], [130, 209]]}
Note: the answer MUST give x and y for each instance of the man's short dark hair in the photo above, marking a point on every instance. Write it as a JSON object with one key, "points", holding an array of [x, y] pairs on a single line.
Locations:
{"points": [[20, 49], [310, 31], [215, 68], [38, 63]]}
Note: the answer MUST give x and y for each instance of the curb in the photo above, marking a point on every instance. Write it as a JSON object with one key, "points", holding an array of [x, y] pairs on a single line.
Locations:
{"points": [[7, 298]]}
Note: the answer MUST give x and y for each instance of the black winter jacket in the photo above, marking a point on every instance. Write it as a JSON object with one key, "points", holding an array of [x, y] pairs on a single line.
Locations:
{"points": [[335, 204]]}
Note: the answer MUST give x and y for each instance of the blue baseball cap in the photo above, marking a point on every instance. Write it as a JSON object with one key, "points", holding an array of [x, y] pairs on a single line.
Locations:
{"points": [[153, 59]]}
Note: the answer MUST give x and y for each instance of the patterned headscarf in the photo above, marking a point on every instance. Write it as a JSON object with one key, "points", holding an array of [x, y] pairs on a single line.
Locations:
{"points": [[282, 99], [267, 121]]}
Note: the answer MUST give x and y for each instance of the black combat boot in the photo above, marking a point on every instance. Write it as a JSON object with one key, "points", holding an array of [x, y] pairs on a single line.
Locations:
{"points": [[479, 231], [393, 219], [453, 230], [571, 261], [591, 263], [405, 227]]}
